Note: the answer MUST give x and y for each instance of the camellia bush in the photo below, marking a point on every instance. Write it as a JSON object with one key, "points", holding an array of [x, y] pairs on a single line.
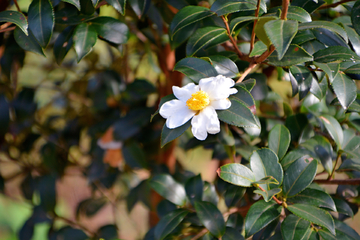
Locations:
{"points": [[120, 90]]}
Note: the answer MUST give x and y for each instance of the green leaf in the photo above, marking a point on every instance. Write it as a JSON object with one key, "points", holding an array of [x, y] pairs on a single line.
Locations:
{"points": [[222, 7], [84, 37], [27, 42], [351, 141], [260, 31], [294, 228], [76, 3], [16, 18], [314, 215], [350, 164], [343, 207], [309, 5], [303, 36], [232, 234], [169, 222], [187, 16], [233, 195], [211, 217], [294, 13], [294, 155], [194, 188], [205, 38], [345, 89], [294, 55], [210, 194], [335, 54], [296, 124], [331, 69], [355, 12], [239, 115], [236, 21], [303, 77], [87, 7], [343, 231], [314, 198], [237, 174], [245, 97], [111, 29], [320, 88], [298, 176], [353, 37], [224, 66], [260, 215], [333, 27], [281, 33], [248, 84], [279, 140], [334, 129], [90, 206], [167, 134], [41, 21], [63, 44], [195, 68], [326, 235], [259, 48], [119, 5], [134, 155], [167, 187], [264, 163], [70, 16], [236, 221], [140, 7], [267, 195]]}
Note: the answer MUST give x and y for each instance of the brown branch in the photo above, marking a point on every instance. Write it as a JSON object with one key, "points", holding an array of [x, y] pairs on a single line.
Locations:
{"points": [[252, 41], [17, 5], [76, 224], [336, 162], [246, 72], [102, 3], [200, 234], [7, 29], [265, 55], [334, 4], [355, 181], [285, 7]]}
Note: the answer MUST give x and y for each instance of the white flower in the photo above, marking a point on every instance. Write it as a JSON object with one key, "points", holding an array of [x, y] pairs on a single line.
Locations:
{"points": [[199, 102]]}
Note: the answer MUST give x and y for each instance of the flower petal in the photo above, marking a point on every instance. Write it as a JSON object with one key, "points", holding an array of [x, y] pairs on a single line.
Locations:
{"points": [[176, 113], [212, 120], [198, 126], [220, 104], [170, 107], [217, 87], [205, 122], [185, 92]]}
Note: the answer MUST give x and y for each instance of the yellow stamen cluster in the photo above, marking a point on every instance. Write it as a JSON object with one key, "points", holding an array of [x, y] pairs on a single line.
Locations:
{"points": [[198, 100]]}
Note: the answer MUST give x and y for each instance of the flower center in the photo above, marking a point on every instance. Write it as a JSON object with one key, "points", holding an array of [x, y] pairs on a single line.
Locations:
{"points": [[198, 100]]}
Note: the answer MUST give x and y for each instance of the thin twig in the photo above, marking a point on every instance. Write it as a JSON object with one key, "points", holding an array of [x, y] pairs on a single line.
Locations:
{"points": [[246, 72], [7, 29], [17, 5], [355, 181], [284, 10], [200, 234], [334, 4], [336, 162], [239, 53], [252, 41]]}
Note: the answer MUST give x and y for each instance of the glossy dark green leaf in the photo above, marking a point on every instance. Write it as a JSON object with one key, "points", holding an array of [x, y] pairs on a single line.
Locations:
{"points": [[309, 5], [69, 233], [294, 55], [205, 38], [236, 221], [350, 164], [351, 141], [134, 155], [195, 68], [84, 37], [343, 207], [140, 193], [167, 187], [303, 36], [111, 29], [167, 134], [245, 97], [345, 89], [237, 174], [333, 27], [303, 77], [353, 37], [222, 7], [281, 33], [259, 48], [169, 222], [335, 53], [334, 129], [194, 188], [41, 21], [259, 29], [296, 124], [271, 231], [260, 215], [326, 235], [294, 228], [294, 13], [63, 44], [331, 69], [319, 89], [15, 17], [343, 231], [224, 66], [268, 194], [279, 140], [140, 7], [119, 5], [236, 21], [298, 176], [28, 43], [294, 155], [87, 7], [239, 115], [314, 197], [46, 187], [76, 3], [210, 194], [314, 215], [70, 16], [233, 195], [264, 163], [355, 20], [108, 232], [313, 46], [232, 234], [211, 217], [186, 16]]}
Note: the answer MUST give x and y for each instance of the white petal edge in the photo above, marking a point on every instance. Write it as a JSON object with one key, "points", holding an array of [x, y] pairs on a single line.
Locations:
{"points": [[184, 93], [180, 117], [217, 87], [212, 120], [220, 104], [170, 107], [198, 127]]}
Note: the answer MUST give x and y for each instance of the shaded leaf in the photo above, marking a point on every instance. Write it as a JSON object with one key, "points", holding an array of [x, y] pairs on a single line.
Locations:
{"points": [[63, 44], [75, 3], [232, 234], [259, 48], [294, 55], [279, 140], [335, 54], [167, 187], [222, 7], [294, 228], [296, 124], [355, 19], [140, 7], [237, 174], [224, 66], [167, 134], [169, 222], [194, 188], [345, 89], [119, 5], [308, 5], [343, 207], [27, 42], [15, 17], [314, 197], [333, 27], [134, 155], [195, 68], [111, 29], [343, 230], [211, 217], [84, 37], [334, 129]]}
